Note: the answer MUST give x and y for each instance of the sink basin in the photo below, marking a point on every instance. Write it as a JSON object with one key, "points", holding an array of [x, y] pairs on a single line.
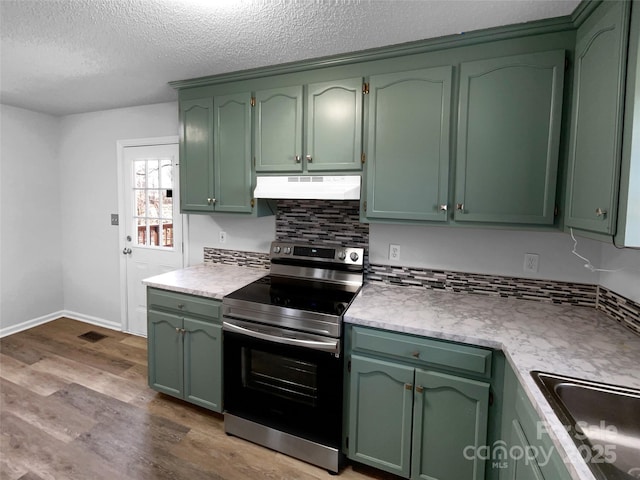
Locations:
{"points": [[603, 421]]}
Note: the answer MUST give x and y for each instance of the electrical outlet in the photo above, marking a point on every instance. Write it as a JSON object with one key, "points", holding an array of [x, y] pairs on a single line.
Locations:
{"points": [[115, 219], [223, 237], [531, 262], [394, 252]]}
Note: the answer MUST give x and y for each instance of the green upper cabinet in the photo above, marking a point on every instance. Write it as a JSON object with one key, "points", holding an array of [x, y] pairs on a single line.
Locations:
{"points": [[596, 124], [278, 130], [334, 126], [232, 157], [408, 145], [508, 138], [332, 133], [196, 155], [215, 154]]}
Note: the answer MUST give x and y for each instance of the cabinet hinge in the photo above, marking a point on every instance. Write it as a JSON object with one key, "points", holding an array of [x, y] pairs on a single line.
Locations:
{"points": [[556, 211], [490, 398], [254, 162], [349, 366], [567, 64], [253, 202], [253, 101], [365, 88], [346, 442], [365, 206], [363, 158]]}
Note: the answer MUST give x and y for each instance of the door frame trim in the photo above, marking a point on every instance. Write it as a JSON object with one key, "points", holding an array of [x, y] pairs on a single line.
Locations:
{"points": [[120, 146]]}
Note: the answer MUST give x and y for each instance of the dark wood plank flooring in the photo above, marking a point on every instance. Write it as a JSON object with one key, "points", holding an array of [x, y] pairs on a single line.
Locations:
{"points": [[74, 409]]}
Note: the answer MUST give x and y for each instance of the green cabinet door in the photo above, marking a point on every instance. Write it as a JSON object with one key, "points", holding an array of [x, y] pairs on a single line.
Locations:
{"points": [[449, 427], [165, 352], [334, 126], [196, 155], [596, 124], [278, 130], [521, 467], [380, 404], [508, 138], [232, 156], [203, 364], [408, 145]]}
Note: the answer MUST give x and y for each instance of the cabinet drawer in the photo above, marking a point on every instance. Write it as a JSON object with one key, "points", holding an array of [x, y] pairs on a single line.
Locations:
{"points": [[180, 302], [424, 350]]}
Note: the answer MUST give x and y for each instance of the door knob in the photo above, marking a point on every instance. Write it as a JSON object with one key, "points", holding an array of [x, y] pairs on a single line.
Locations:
{"points": [[126, 251]]}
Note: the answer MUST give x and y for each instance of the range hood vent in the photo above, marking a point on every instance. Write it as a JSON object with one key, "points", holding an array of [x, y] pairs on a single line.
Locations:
{"points": [[328, 187]]}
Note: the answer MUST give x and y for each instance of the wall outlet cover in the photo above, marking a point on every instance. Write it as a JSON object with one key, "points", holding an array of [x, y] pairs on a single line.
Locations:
{"points": [[394, 252], [531, 262]]}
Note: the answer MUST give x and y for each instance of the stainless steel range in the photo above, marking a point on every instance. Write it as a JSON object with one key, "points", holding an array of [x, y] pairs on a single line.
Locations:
{"points": [[283, 369]]}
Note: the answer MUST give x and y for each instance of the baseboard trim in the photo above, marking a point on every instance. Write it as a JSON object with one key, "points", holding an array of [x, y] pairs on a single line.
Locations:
{"points": [[34, 322], [100, 322]]}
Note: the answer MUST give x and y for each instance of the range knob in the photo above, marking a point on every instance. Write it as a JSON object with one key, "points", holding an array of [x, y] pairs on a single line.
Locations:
{"points": [[287, 250], [342, 255], [354, 256], [276, 249]]}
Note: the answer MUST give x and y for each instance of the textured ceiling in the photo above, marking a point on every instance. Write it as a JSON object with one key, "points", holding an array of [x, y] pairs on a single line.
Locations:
{"points": [[71, 56]]}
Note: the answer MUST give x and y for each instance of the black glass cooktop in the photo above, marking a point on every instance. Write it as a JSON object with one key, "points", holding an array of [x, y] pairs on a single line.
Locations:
{"points": [[299, 294]]}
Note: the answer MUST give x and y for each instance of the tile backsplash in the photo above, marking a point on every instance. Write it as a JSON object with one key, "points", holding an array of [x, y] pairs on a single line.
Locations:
{"points": [[337, 222], [550, 291]]}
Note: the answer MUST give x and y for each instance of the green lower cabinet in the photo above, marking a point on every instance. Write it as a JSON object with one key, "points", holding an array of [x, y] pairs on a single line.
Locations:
{"points": [[381, 402], [202, 354], [521, 468], [449, 426], [165, 350], [416, 423], [185, 347]]}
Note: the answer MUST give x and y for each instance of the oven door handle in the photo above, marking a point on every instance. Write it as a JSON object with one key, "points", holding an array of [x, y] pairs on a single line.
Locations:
{"points": [[332, 346]]}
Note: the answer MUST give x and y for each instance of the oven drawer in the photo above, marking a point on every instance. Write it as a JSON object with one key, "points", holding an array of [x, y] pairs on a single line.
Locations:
{"points": [[183, 303], [422, 350]]}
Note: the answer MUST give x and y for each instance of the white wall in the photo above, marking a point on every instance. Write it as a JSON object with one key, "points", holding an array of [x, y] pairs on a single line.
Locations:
{"points": [[490, 251], [89, 194], [247, 234], [626, 279], [30, 232]]}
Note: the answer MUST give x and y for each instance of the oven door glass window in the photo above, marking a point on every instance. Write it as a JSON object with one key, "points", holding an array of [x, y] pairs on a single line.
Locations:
{"points": [[291, 379], [292, 389]]}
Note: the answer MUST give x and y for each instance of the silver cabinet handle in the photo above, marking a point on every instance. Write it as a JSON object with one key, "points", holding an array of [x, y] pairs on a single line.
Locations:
{"points": [[177, 330], [443, 208], [297, 157], [309, 158], [460, 206], [181, 306], [211, 201], [419, 389], [600, 212]]}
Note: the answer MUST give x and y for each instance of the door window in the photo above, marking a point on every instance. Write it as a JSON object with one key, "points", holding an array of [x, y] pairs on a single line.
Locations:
{"points": [[153, 202]]}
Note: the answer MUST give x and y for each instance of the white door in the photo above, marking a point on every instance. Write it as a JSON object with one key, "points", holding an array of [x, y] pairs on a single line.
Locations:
{"points": [[153, 223]]}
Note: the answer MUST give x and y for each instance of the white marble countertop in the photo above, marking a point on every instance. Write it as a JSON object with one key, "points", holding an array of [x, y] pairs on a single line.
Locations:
{"points": [[576, 341], [213, 280]]}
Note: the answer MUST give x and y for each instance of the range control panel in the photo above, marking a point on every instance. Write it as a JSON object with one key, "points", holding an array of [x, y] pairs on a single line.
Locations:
{"points": [[317, 253]]}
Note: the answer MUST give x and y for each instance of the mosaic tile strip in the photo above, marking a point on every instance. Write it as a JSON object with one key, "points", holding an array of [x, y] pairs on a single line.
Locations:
{"points": [[621, 309], [550, 291], [333, 222], [236, 257]]}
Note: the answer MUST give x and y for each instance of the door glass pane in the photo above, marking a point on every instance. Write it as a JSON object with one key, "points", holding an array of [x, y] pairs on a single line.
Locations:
{"points": [[139, 173], [153, 202], [166, 173], [141, 203], [152, 173]]}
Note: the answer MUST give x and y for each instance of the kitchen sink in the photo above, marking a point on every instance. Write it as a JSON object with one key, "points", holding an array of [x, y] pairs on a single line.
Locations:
{"points": [[603, 421]]}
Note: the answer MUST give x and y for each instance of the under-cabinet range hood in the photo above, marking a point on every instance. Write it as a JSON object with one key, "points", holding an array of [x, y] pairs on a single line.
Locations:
{"points": [[329, 187]]}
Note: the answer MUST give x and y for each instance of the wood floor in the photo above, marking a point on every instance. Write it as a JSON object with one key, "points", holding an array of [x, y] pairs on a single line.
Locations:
{"points": [[75, 409]]}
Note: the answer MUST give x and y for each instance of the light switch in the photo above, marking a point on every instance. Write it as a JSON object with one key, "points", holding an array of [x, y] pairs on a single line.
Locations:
{"points": [[114, 219]]}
